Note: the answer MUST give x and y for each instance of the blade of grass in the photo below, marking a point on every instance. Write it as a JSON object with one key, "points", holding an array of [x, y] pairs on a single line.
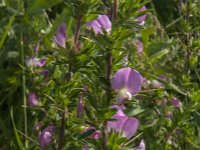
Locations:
{"points": [[6, 30], [15, 130]]}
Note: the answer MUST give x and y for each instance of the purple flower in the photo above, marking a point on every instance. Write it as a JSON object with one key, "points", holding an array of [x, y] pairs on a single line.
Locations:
{"points": [[32, 99], [127, 82], [141, 19], [80, 108], [46, 137], [85, 148], [94, 135], [100, 24], [162, 77], [141, 146], [60, 37], [124, 124], [176, 102], [35, 62]]}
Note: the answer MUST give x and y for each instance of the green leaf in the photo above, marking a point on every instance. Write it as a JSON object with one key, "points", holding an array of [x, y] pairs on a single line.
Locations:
{"points": [[158, 55], [6, 30], [38, 5], [86, 133], [176, 88], [15, 130]]}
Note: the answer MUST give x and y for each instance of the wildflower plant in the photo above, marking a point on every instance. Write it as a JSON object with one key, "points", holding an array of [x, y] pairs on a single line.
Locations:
{"points": [[99, 74]]}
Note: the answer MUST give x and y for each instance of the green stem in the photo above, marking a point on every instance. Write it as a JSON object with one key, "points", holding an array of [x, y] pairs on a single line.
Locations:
{"points": [[24, 88]]}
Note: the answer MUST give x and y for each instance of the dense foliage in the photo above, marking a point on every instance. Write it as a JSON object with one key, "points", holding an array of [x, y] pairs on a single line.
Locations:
{"points": [[63, 65]]}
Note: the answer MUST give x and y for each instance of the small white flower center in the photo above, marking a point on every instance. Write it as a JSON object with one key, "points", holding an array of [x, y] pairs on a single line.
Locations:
{"points": [[124, 94]]}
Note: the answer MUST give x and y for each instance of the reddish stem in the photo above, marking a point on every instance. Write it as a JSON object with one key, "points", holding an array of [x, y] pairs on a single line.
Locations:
{"points": [[78, 25]]}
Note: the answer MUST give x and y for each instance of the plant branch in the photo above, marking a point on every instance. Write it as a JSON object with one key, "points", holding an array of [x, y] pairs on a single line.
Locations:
{"points": [[62, 130], [76, 43], [115, 8], [188, 53]]}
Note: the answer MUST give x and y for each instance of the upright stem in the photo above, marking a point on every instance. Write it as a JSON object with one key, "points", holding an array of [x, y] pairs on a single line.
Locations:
{"points": [[62, 130], [113, 15], [78, 25], [104, 135], [188, 53], [24, 88], [108, 74], [115, 8]]}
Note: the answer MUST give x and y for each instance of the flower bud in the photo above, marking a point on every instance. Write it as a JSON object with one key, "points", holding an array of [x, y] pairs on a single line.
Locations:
{"points": [[32, 99], [176, 102], [80, 107], [156, 84], [46, 137]]}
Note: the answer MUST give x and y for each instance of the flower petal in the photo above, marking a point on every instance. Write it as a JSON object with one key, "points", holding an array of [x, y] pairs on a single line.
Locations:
{"points": [[119, 110], [60, 37], [118, 82], [31, 62], [130, 127], [127, 78], [105, 22], [41, 62], [116, 125], [141, 146], [134, 81], [142, 18], [95, 26]]}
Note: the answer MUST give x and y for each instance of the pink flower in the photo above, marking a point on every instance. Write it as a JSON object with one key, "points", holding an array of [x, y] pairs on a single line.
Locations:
{"points": [[80, 108], [60, 37], [124, 124], [141, 146], [176, 102], [127, 78], [94, 135], [35, 62], [126, 82], [141, 19], [46, 137], [100, 24], [32, 99]]}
